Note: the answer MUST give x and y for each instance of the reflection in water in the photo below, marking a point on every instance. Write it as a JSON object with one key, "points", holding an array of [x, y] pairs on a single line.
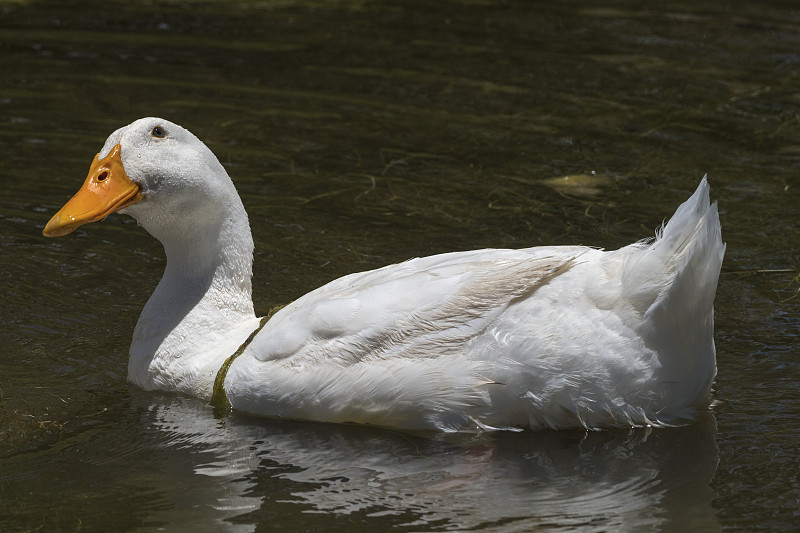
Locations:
{"points": [[251, 470]]}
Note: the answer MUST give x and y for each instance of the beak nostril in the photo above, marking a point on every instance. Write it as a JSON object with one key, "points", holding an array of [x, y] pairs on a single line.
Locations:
{"points": [[102, 176]]}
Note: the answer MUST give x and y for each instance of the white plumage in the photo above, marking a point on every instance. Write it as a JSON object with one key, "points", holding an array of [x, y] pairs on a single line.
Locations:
{"points": [[546, 337]]}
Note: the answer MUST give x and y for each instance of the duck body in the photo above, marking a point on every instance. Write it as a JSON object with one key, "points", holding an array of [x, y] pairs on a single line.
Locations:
{"points": [[545, 337]]}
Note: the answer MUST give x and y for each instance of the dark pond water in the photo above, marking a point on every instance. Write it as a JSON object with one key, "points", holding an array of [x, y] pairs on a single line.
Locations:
{"points": [[363, 133]]}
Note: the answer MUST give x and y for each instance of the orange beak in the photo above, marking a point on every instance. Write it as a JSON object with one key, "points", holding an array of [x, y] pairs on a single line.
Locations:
{"points": [[107, 189]]}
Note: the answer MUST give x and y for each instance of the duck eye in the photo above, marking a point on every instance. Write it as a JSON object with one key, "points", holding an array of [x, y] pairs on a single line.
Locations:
{"points": [[158, 132]]}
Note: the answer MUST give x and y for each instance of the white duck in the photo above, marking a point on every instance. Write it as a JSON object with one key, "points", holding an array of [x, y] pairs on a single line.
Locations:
{"points": [[546, 337]]}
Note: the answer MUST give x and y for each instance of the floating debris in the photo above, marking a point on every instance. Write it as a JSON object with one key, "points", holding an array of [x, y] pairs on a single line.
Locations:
{"points": [[580, 185]]}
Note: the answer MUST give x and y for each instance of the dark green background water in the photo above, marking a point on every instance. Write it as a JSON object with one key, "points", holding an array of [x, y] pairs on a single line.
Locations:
{"points": [[363, 133]]}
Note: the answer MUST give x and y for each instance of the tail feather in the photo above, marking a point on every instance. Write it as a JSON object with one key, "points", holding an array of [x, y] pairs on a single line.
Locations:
{"points": [[691, 248], [687, 221], [692, 235], [672, 281]]}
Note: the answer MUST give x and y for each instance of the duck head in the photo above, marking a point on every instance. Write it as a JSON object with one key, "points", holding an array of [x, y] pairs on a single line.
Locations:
{"points": [[155, 171]]}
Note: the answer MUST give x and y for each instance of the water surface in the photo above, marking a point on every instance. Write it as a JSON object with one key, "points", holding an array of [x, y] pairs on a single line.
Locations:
{"points": [[363, 133]]}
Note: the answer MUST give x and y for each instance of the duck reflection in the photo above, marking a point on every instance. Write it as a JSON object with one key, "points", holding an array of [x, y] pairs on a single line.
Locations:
{"points": [[246, 473]]}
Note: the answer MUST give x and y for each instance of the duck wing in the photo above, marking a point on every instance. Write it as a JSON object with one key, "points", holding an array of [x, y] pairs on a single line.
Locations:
{"points": [[422, 308]]}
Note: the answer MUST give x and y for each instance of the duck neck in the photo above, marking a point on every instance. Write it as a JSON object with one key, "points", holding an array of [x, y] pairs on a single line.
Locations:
{"points": [[201, 309]]}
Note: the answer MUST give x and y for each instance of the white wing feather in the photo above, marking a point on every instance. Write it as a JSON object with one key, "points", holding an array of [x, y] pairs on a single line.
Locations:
{"points": [[426, 307]]}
